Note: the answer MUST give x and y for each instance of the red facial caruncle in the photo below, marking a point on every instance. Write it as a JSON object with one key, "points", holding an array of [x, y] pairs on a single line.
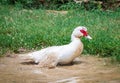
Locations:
{"points": [[85, 33]]}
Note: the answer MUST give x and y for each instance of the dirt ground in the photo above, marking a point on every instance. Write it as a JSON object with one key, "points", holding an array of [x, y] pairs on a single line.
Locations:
{"points": [[89, 69]]}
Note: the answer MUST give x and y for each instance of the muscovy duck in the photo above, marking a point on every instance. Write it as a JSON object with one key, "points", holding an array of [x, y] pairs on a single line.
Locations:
{"points": [[65, 54]]}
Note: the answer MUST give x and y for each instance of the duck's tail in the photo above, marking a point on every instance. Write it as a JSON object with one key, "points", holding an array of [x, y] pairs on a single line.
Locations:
{"points": [[26, 56], [33, 56]]}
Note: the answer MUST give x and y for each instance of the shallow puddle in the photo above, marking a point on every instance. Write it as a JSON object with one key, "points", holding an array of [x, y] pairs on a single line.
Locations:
{"points": [[88, 69]]}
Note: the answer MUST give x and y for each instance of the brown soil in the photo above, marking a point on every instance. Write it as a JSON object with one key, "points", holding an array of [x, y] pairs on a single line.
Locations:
{"points": [[89, 69]]}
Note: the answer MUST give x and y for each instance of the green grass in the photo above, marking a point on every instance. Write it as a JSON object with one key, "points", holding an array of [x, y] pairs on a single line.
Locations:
{"points": [[34, 29]]}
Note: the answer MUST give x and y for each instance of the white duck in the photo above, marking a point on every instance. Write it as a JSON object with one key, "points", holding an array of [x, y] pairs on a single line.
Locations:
{"points": [[51, 56]]}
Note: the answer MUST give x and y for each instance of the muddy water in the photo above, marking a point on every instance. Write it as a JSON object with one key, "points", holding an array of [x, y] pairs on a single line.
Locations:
{"points": [[88, 69]]}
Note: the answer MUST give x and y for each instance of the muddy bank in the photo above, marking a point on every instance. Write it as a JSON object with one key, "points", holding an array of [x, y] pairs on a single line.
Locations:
{"points": [[88, 69]]}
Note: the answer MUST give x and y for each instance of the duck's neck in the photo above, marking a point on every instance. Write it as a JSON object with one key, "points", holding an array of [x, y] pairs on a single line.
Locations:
{"points": [[77, 45], [73, 38]]}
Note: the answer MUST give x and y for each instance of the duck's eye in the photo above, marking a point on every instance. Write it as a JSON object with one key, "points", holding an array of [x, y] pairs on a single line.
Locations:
{"points": [[85, 33]]}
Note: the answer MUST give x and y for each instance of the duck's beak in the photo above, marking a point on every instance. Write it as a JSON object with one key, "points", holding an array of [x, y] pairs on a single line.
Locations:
{"points": [[88, 37]]}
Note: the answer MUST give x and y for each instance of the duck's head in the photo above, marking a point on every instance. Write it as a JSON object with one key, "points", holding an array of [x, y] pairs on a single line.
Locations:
{"points": [[81, 31]]}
